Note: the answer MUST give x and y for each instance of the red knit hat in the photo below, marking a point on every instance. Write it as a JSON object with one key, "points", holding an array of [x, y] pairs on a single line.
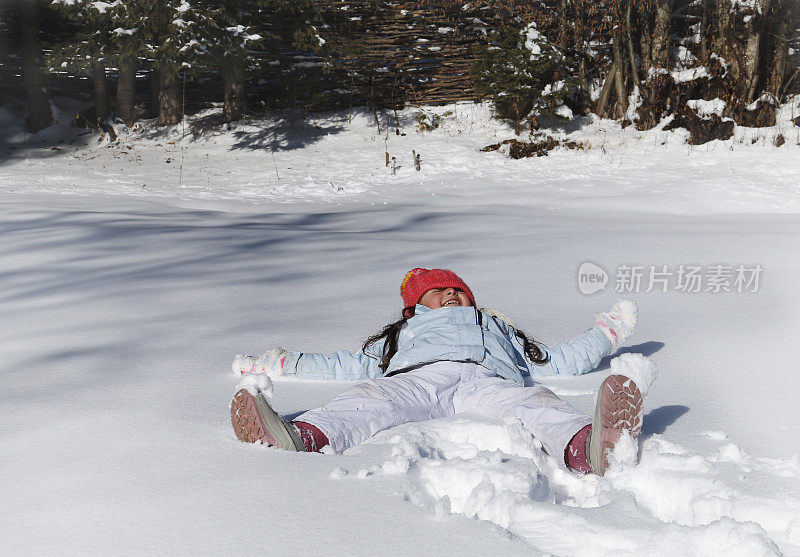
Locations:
{"points": [[418, 281]]}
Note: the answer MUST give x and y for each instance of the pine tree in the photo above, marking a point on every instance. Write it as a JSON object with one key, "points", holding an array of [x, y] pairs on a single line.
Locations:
{"points": [[231, 34], [519, 70], [109, 35], [39, 113], [174, 34], [87, 51], [235, 27]]}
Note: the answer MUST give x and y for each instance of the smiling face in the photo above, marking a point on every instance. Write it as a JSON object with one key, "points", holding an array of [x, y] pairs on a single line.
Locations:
{"points": [[436, 298]]}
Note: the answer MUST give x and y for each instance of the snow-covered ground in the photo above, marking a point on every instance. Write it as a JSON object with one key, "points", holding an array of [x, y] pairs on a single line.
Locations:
{"points": [[132, 274]]}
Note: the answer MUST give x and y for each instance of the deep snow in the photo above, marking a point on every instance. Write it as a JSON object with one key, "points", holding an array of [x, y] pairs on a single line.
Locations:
{"points": [[122, 307]]}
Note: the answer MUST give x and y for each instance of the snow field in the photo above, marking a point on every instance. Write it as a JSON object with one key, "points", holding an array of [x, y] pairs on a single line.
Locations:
{"points": [[120, 319], [122, 306]]}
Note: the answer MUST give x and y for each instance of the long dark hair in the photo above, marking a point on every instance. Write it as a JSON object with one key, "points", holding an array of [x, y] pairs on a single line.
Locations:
{"points": [[391, 333]]}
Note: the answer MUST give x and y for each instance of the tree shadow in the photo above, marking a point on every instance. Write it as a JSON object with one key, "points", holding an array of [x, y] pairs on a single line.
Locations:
{"points": [[103, 267], [286, 133], [204, 234], [283, 132], [565, 126], [54, 141]]}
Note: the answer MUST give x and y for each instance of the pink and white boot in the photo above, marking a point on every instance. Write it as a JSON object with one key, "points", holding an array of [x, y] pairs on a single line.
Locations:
{"points": [[618, 409], [255, 421]]}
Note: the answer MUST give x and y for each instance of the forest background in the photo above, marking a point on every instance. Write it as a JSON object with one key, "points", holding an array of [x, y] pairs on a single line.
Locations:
{"points": [[706, 64]]}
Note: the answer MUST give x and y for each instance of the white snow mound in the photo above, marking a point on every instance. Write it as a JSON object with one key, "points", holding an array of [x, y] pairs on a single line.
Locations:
{"points": [[624, 452], [675, 501], [255, 383], [636, 366]]}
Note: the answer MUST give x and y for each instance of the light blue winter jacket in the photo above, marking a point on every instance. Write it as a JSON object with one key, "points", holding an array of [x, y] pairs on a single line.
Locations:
{"points": [[461, 334]]}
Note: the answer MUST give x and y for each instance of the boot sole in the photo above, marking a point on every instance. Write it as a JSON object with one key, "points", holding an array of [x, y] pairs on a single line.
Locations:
{"points": [[619, 407], [254, 421]]}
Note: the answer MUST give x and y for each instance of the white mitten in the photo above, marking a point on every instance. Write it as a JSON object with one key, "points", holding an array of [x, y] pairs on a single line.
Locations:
{"points": [[271, 363], [618, 324]]}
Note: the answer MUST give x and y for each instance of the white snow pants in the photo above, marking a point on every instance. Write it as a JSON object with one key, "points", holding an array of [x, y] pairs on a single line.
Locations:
{"points": [[444, 389]]}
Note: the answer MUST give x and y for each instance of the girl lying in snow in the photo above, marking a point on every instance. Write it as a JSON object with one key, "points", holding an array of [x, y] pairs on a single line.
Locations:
{"points": [[447, 357]]}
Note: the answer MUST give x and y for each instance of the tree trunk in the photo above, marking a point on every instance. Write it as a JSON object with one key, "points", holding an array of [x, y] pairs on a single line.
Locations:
{"points": [[579, 34], [234, 105], [169, 98], [605, 92], [563, 28], [583, 80], [661, 29], [100, 88], [126, 91], [645, 45], [39, 113], [657, 54], [752, 61], [704, 32], [752, 52], [619, 76], [631, 54], [153, 105], [725, 43], [780, 58]]}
